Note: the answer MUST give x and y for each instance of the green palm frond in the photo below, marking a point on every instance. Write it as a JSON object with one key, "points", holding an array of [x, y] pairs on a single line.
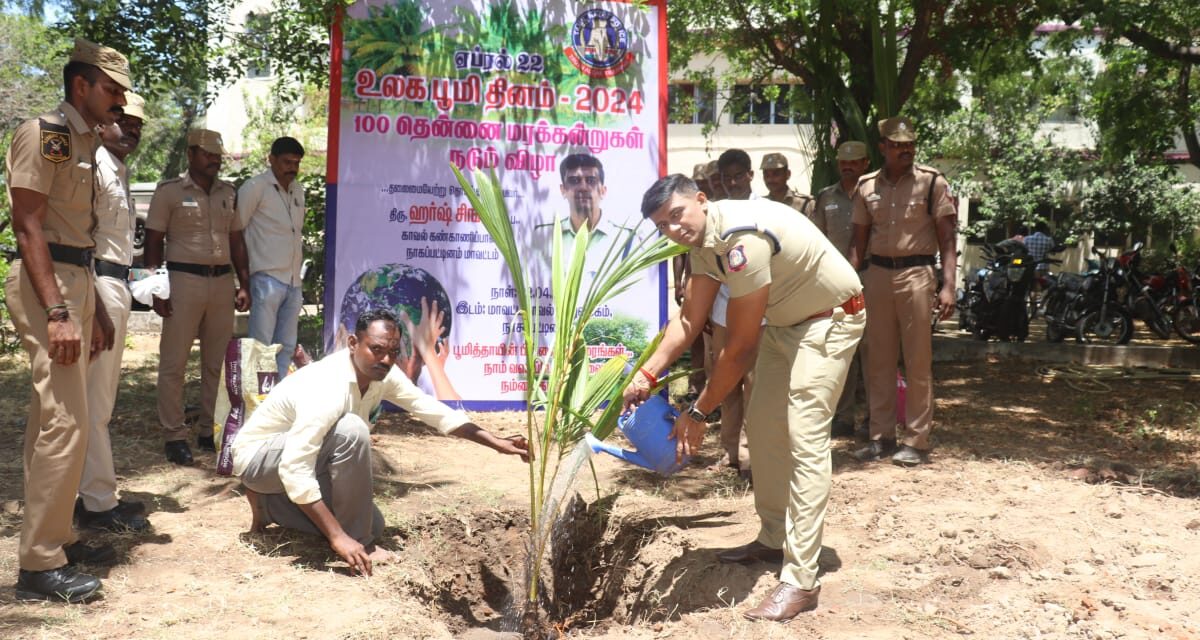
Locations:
{"points": [[557, 417]]}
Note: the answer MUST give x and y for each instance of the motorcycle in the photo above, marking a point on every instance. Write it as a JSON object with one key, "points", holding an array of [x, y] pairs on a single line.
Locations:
{"points": [[995, 301], [1185, 307], [1085, 305], [1146, 297]]}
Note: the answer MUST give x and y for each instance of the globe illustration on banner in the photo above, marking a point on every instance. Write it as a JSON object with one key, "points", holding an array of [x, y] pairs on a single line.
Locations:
{"points": [[398, 287]]}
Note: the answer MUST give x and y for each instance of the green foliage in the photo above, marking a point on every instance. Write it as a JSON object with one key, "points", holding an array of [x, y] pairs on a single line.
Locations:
{"points": [[562, 394], [391, 41], [1133, 199], [1018, 175], [30, 70], [630, 332], [861, 61]]}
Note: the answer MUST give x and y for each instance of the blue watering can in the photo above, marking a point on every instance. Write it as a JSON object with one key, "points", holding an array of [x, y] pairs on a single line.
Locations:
{"points": [[648, 427]]}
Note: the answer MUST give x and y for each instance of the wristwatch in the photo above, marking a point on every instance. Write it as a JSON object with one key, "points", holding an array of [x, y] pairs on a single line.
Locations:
{"points": [[696, 414]]}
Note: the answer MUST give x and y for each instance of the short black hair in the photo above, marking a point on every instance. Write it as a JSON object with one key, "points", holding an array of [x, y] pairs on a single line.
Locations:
{"points": [[579, 161], [371, 316], [287, 145], [661, 191], [734, 157], [75, 68]]}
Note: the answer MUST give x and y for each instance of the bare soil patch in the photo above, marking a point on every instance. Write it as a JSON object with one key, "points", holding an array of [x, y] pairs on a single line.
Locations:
{"points": [[1048, 513]]}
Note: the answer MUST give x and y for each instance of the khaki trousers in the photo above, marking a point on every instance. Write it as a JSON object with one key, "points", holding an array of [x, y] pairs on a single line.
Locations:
{"points": [[733, 408], [800, 372], [855, 391], [56, 432], [201, 306], [98, 486], [901, 304]]}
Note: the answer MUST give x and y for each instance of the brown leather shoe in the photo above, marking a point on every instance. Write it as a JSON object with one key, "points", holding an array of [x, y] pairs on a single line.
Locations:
{"points": [[782, 604], [753, 552]]}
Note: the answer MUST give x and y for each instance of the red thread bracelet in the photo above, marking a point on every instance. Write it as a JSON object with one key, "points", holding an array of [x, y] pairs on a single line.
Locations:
{"points": [[649, 376]]}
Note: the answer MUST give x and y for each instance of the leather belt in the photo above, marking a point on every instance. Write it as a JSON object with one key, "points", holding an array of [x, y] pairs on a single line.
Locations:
{"points": [[903, 262], [852, 306], [107, 269], [78, 256], [207, 270]]}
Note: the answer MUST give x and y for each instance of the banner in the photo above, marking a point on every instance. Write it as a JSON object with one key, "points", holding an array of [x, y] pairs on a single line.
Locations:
{"points": [[564, 101]]}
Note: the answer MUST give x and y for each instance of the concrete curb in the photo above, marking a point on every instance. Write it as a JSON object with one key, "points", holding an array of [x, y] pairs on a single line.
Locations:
{"points": [[958, 347]]}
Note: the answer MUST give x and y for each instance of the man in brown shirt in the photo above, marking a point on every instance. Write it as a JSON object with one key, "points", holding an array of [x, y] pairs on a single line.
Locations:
{"points": [[195, 215], [832, 216], [903, 215], [51, 296], [775, 175]]}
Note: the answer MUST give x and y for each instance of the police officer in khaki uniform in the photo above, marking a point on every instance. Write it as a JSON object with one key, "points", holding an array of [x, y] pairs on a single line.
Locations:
{"points": [[99, 507], [51, 295], [903, 216], [780, 270], [196, 215], [775, 175], [832, 216]]}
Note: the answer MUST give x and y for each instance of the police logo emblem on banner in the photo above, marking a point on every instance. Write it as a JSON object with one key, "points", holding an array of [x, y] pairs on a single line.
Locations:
{"points": [[56, 146], [737, 258], [599, 44]]}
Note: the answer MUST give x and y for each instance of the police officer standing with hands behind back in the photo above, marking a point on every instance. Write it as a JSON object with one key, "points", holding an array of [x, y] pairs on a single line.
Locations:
{"points": [[195, 214], [903, 215], [51, 295]]}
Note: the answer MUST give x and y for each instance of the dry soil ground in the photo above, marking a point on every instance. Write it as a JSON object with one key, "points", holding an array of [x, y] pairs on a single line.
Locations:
{"points": [[1048, 513]]}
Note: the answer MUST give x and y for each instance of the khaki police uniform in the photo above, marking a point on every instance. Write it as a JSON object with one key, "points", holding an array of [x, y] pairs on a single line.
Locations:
{"points": [[803, 357], [901, 288], [832, 215], [197, 225], [801, 202], [115, 224], [54, 155]]}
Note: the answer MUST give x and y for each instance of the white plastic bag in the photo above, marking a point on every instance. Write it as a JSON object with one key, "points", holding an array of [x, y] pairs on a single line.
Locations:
{"points": [[155, 286]]}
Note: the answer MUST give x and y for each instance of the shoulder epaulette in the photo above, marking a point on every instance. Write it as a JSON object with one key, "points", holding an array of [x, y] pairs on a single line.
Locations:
{"points": [[169, 180], [46, 125]]}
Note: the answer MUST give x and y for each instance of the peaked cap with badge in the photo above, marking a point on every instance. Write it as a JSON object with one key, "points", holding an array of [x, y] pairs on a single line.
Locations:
{"points": [[112, 62], [898, 129]]}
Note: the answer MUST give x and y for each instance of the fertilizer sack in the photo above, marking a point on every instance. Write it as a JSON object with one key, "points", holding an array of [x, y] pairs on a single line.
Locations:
{"points": [[247, 376]]}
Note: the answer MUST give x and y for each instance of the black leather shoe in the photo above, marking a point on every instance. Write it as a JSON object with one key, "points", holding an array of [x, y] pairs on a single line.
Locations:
{"points": [[114, 520], [910, 457], [63, 584], [753, 552], [80, 553], [784, 603], [178, 452], [206, 443], [875, 450]]}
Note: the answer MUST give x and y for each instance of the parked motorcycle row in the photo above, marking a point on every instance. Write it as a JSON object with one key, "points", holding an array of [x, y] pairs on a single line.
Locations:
{"points": [[1099, 306]]}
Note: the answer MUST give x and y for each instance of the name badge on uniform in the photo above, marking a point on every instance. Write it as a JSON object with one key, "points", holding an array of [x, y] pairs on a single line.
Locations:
{"points": [[831, 206], [737, 258], [190, 202], [873, 197]]}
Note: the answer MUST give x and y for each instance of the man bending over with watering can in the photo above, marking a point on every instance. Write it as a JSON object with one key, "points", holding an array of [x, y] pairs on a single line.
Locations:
{"points": [[782, 270], [304, 456]]}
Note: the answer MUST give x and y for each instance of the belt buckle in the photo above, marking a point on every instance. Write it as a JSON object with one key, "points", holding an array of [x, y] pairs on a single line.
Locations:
{"points": [[208, 270], [88, 258]]}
